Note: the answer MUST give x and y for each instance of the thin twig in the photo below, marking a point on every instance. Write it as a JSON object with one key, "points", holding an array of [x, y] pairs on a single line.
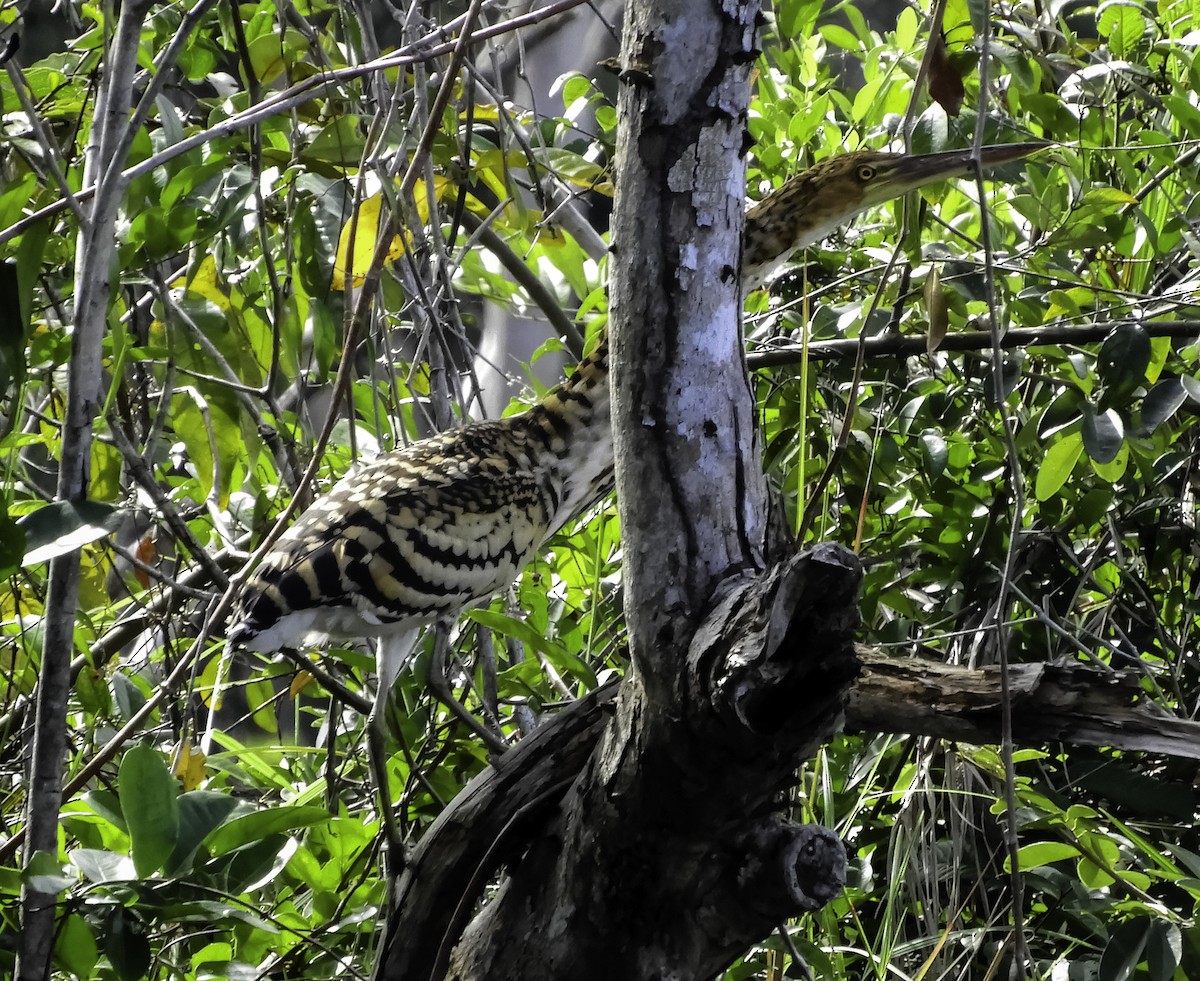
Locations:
{"points": [[1017, 484]]}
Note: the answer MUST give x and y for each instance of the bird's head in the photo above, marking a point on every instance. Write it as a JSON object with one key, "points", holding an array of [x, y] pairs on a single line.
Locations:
{"points": [[856, 181], [812, 204]]}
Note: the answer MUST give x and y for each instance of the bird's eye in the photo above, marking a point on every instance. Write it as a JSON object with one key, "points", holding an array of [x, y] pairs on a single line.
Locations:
{"points": [[866, 172]]}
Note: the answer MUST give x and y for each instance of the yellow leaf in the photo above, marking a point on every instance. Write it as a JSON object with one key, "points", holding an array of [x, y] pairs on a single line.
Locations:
{"points": [[479, 111], [301, 681], [442, 188], [363, 230], [205, 282], [190, 767]]}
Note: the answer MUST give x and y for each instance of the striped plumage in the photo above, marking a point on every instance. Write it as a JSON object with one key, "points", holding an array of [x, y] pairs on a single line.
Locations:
{"points": [[831, 192], [422, 533], [425, 531]]}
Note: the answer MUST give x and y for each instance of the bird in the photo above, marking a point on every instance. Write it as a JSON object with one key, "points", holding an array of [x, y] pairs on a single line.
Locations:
{"points": [[424, 532], [806, 208]]}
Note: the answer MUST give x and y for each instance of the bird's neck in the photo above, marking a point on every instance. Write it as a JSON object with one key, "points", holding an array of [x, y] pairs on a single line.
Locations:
{"points": [[572, 424]]}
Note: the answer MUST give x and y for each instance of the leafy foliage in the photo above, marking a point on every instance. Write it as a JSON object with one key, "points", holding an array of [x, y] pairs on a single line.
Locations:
{"points": [[239, 836]]}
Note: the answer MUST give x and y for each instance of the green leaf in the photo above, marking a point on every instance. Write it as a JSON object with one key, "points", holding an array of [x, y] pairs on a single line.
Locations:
{"points": [[981, 11], [1020, 64], [12, 330], [1103, 200], [575, 86], [1124, 951], [12, 546], [1092, 875], [1164, 950], [559, 655], [253, 865], [1063, 303], [341, 142], [1124, 357], [1057, 465], [933, 454], [1044, 853], [45, 873], [108, 806], [1191, 386], [1122, 25], [1187, 114], [98, 865], [1115, 469], [16, 193], [126, 945], [75, 946], [258, 825], [30, 254], [260, 700], [63, 527], [837, 35], [1101, 847], [1160, 404], [150, 804], [1103, 433], [200, 813], [796, 18], [212, 953], [128, 696], [574, 168], [91, 685]]}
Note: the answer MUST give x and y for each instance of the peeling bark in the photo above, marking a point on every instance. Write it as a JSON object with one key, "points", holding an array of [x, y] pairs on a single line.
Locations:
{"points": [[668, 853], [1064, 702]]}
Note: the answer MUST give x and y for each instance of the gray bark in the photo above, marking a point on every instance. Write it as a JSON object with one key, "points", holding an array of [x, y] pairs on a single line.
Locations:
{"points": [[94, 253], [657, 848], [1051, 703]]}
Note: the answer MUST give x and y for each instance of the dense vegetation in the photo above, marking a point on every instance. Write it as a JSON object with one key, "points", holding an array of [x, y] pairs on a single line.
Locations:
{"points": [[240, 839]]}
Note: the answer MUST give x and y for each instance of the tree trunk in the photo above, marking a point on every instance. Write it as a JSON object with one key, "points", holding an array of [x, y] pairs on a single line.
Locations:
{"points": [[659, 850], [96, 246]]}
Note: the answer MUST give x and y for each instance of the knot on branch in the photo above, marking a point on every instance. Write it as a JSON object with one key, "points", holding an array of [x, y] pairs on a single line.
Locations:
{"points": [[775, 655], [792, 868]]}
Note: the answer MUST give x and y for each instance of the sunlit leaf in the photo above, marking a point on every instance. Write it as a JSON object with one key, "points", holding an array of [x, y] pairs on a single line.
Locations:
{"points": [[1044, 853], [75, 946], [361, 234], [190, 766], [1056, 466], [62, 527], [102, 866], [262, 824], [1122, 24]]}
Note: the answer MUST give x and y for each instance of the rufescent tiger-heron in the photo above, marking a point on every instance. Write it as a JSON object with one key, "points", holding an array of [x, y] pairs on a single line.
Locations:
{"points": [[423, 532]]}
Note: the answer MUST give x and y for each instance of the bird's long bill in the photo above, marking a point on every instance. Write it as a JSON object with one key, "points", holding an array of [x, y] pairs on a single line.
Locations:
{"points": [[912, 172]]}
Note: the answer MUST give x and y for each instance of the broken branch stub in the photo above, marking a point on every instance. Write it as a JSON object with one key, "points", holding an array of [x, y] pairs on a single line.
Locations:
{"points": [[771, 657]]}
